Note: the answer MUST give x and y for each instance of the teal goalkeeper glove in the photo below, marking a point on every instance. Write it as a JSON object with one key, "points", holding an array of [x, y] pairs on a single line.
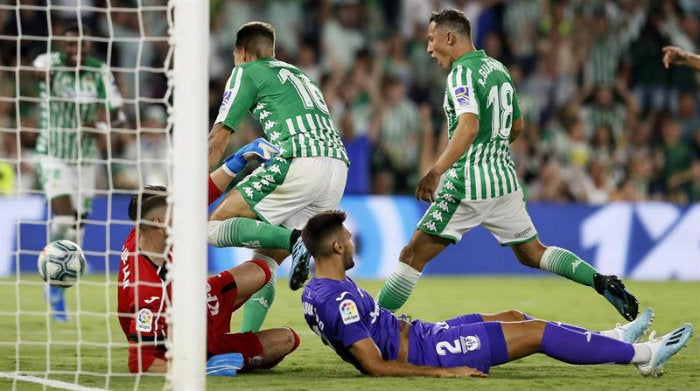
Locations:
{"points": [[259, 149], [226, 364]]}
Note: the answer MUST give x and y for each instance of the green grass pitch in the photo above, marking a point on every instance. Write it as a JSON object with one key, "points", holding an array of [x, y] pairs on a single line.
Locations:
{"points": [[315, 367]]}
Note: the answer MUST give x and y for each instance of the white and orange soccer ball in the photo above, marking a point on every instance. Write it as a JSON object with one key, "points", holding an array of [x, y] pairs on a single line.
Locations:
{"points": [[61, 263]]}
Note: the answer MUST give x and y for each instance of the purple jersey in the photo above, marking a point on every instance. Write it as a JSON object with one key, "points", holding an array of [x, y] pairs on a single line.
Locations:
{"points": [[342, 313]]}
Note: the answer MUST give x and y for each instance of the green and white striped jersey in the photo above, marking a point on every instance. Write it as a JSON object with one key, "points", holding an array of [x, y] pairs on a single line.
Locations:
{"points": [[288, 105], [480, 85], [70, 102]]}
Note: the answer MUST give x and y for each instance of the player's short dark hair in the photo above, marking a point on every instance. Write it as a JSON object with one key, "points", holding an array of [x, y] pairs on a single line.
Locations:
{"points": [[320, 227], [256, 37], [452, 19], [150, 198]]}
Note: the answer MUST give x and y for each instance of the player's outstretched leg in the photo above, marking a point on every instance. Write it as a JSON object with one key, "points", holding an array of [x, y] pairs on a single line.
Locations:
{"points": [[420, 250], [250, 233], [614, 290], [663, 348], [301, 259], [567, 264]]}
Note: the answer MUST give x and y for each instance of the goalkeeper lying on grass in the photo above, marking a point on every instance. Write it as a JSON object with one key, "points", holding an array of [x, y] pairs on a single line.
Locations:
{"points": [[378, 343], [144, 291]]}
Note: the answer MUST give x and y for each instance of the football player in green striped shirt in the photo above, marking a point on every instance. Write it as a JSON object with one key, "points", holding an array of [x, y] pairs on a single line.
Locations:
{"points": [[480, 186], [79, 100], [267, 210]]}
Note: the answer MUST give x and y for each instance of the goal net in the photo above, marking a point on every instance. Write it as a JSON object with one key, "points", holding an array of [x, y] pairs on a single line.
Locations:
{"points": [[91, 109]]}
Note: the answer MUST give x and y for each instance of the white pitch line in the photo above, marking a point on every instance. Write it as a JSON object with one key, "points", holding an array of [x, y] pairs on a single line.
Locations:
{"points": [[51, 383]]}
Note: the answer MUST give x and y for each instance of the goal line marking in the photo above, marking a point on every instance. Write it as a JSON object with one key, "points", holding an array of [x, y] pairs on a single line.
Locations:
{"points": [[51, 383]]}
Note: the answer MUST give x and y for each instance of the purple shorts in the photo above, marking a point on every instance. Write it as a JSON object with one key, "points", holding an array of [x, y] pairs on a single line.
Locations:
{"points": [[454, 344]]}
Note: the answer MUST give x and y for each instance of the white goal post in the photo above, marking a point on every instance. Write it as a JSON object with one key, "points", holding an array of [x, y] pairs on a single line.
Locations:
{"points": [[191, 80], [167, 43]]}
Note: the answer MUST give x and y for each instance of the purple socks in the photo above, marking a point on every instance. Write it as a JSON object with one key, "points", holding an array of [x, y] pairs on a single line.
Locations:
{"points": [[576, 347]]}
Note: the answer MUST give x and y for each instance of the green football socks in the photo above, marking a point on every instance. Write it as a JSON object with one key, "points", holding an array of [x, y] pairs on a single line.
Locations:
{"points": [[566, 264], [398, 287], [245, 232], [256, 308]]}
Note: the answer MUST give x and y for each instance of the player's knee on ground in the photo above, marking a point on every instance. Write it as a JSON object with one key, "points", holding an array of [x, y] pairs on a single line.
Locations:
{"points": [[247, 344], [295, 337], [287, 346]]}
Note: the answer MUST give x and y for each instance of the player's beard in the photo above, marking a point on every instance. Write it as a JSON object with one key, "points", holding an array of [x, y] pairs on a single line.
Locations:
{"points": [[348, 260]]}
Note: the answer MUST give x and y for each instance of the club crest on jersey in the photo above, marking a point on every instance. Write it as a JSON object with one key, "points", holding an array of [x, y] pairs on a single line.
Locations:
{"points": [[144, 320], [461, 96], [348, 311]]}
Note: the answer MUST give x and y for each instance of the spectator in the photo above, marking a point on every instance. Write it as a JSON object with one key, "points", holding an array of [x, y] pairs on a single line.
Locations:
{"points": [[677, 171], [342, 36], [397, 133], [688, 116], [597, 184]]}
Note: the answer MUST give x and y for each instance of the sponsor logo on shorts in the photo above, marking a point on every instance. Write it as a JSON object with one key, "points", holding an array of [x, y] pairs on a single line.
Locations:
{"points": [[144, 320], [430, 225], [523, 232], [462, 345], [212, 302], [348, 311]]}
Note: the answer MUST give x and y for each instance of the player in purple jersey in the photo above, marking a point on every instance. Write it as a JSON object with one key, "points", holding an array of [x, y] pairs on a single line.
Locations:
{"points": [[378, 343]]}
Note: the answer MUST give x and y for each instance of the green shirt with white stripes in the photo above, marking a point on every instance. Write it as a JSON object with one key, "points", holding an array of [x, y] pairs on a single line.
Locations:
{"points": [[288, 105], [70, 100], [481, 85]]}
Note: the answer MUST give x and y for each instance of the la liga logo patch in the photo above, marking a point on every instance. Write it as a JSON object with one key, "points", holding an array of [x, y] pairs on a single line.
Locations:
{"points": [[461, 96], [349, 312], [144, 320]]}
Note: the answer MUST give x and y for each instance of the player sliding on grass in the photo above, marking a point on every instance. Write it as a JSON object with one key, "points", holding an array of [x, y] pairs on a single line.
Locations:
{"points": [[144, 291], [480, 186], [267, 209], [378, 343]]}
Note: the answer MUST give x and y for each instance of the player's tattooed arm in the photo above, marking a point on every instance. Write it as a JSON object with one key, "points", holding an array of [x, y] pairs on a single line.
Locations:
{"points": [[218, 140]]}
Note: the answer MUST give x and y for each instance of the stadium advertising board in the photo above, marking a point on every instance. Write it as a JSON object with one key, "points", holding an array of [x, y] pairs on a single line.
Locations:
{"points": [[646, 241]]}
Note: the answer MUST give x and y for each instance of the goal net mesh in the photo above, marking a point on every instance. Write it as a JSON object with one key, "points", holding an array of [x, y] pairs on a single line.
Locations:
{"points": [[129, 147]]}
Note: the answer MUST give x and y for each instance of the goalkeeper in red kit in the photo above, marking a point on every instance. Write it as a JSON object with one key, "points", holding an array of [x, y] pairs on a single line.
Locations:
{"points": [[144, 289]]}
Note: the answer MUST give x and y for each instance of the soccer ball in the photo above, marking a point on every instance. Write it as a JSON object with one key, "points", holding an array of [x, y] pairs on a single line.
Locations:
{"points": [[61, 263]]}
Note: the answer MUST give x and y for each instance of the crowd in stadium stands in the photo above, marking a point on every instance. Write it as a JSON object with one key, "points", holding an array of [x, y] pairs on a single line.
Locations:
{"points": [[605, 120]]}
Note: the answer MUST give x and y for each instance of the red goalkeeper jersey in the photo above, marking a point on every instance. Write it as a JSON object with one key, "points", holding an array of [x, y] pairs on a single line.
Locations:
{"points": [[142, 299]]}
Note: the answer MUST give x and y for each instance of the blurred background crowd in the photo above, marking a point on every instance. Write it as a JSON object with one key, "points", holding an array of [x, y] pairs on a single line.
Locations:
{"points": [[605, 120]]}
